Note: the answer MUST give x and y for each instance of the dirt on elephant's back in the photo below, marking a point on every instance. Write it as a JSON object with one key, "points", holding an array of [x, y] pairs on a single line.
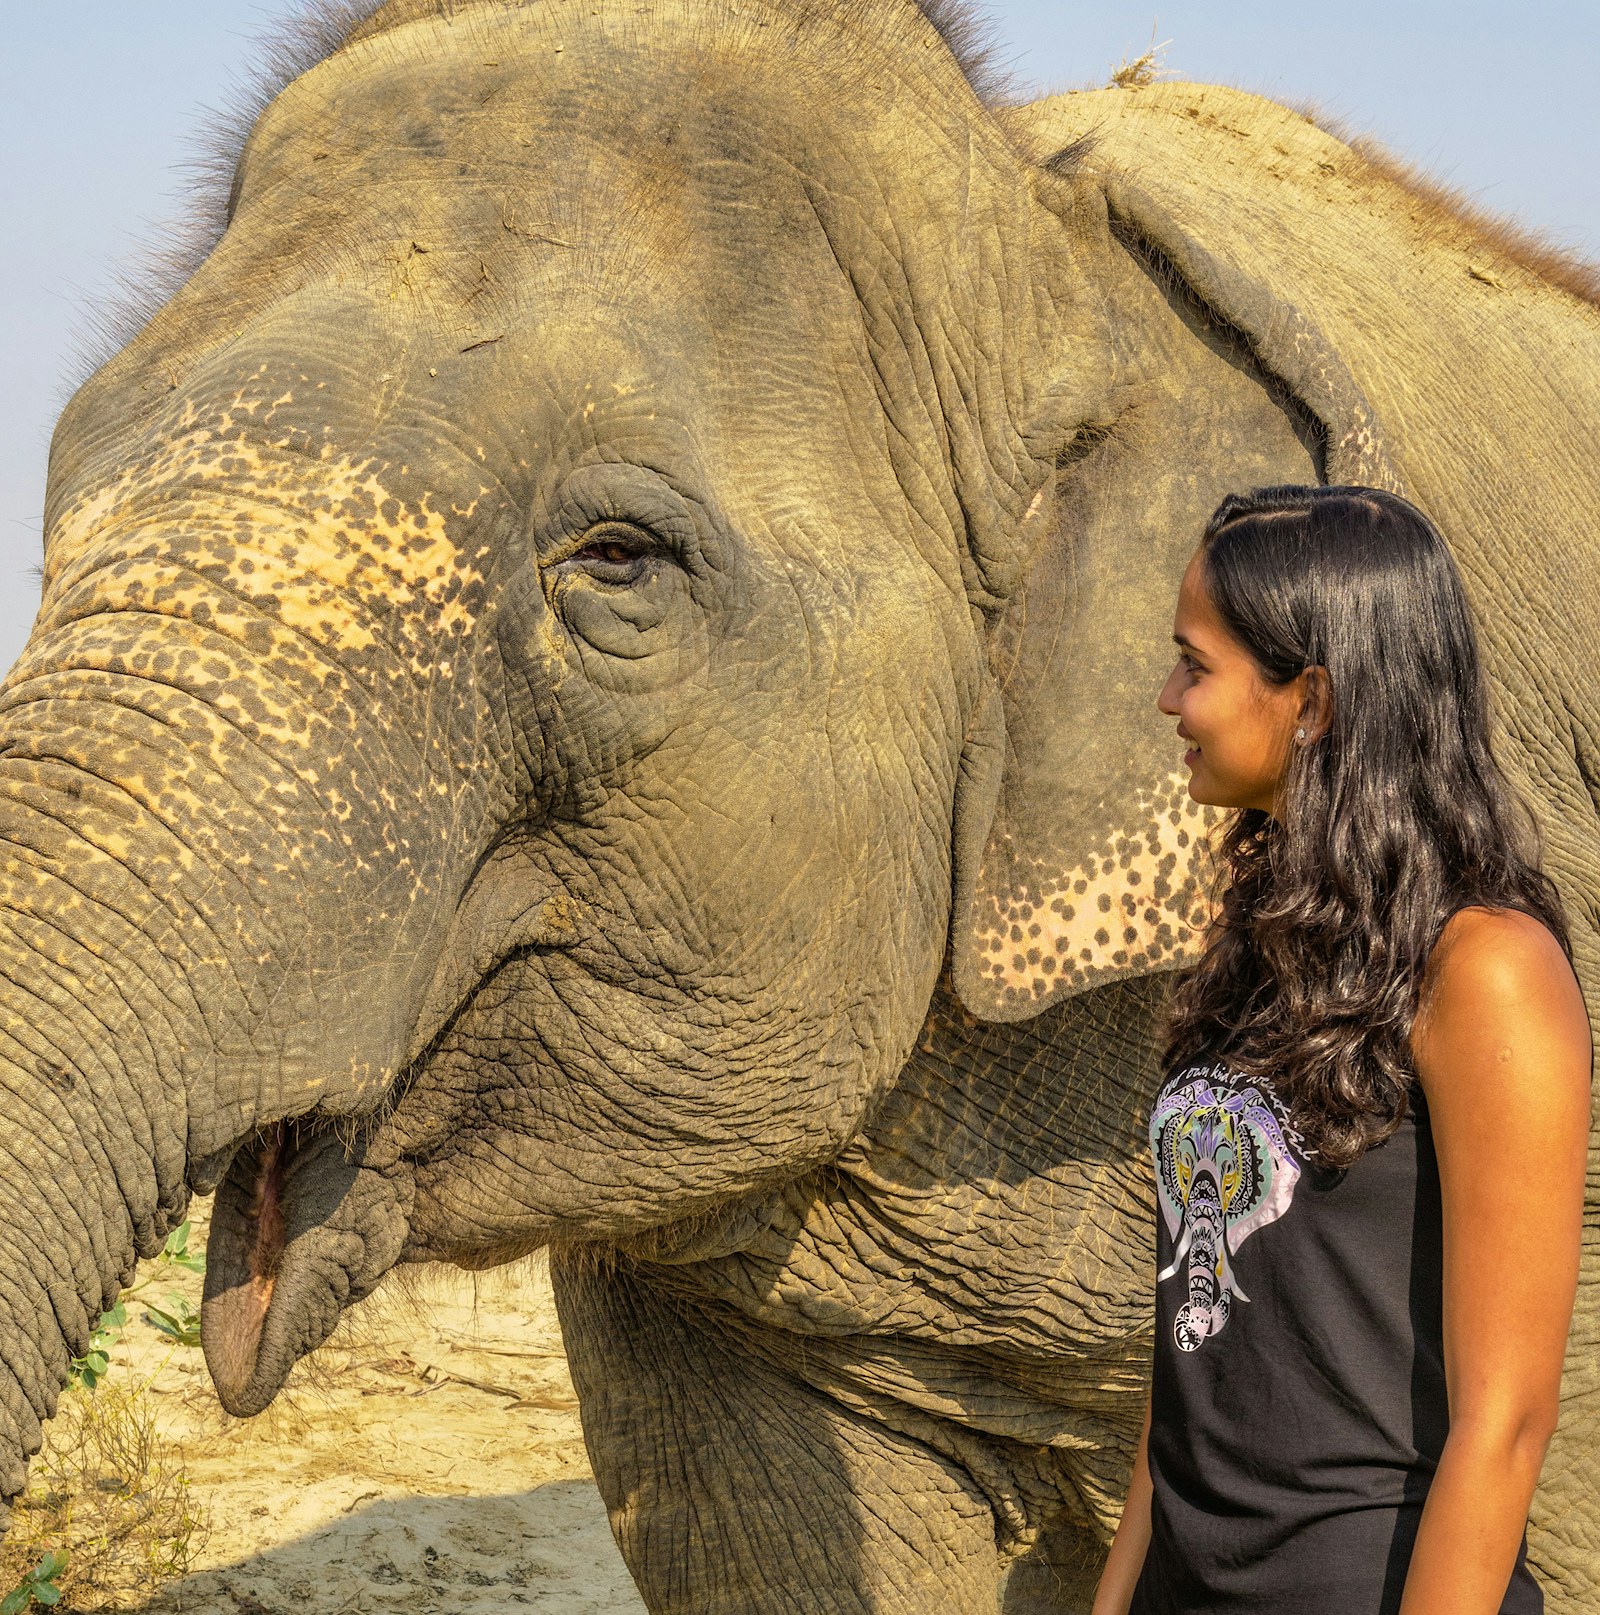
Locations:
{"points": [[428, 1459]]}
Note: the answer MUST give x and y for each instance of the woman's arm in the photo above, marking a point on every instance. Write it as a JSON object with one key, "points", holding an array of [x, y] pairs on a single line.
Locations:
{"points": [[1503, 1054], [1126, 1560]]}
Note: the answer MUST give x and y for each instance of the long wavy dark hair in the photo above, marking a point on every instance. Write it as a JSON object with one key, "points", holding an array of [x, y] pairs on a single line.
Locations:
{"points": [[1395, 818]]}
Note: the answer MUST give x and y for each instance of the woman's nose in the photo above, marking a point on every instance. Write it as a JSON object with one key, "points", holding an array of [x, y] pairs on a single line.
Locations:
{"points": [[1167, 701]]}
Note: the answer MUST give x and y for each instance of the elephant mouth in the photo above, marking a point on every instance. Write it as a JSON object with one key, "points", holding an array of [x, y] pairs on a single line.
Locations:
{"points": [[302, 1227]]}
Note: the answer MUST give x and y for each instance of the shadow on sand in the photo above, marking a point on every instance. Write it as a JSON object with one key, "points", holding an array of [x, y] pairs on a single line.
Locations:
{"points": [[548, 1549]]}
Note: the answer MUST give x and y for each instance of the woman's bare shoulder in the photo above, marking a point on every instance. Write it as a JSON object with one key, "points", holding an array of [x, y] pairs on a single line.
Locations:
{"points": [[1496, 951], [1499, 988]]}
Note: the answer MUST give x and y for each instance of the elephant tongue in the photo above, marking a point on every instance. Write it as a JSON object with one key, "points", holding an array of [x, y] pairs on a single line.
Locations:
{"points": [[298, 1232]]}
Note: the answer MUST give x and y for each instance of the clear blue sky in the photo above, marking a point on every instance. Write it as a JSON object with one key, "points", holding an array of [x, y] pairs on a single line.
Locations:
{"points": [[100, 99]]}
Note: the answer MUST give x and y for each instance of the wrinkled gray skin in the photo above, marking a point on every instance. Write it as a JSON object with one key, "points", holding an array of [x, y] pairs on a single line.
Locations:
{"points": [[595, 689]]}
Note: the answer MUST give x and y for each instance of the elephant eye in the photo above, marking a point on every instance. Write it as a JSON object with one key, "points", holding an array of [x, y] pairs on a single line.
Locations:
{"points": [[613, 552]]}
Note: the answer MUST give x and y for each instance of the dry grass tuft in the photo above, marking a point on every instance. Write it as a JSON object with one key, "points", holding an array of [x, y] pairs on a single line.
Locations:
{"points": [[109, 1492], [1142, 70]]}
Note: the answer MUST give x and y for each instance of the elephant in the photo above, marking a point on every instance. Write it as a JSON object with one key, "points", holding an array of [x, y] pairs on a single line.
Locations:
{"points": [[1224, 1168], [594, 690]]}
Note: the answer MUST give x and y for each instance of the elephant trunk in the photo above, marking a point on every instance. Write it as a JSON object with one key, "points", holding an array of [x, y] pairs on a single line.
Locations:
{"points": [[1209, 1303], [138, 1049], [210, 925], [66, 1248], [94, 1124]]}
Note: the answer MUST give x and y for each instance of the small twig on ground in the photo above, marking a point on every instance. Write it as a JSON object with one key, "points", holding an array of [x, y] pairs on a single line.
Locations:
{"points": [[435, 1377], [506, 1351]]}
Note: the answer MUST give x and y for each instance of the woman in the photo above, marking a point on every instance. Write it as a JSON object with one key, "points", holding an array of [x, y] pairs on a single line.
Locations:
{"points": [[1370, 1146]]}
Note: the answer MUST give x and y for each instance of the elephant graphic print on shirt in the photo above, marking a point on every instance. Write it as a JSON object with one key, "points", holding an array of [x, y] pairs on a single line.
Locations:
{"points": [[1225, 1167]]}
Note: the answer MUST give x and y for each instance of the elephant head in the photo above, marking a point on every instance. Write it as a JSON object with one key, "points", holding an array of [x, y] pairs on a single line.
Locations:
{"points": [[1224, 1168], [510, 660]]}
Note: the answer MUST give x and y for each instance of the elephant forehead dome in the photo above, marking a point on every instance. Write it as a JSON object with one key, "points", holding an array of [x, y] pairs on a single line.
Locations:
{"points": [[956, 22]]}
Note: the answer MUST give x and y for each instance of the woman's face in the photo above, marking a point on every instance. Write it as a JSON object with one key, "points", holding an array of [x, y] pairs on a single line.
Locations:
{"points": [[1240, 728]]}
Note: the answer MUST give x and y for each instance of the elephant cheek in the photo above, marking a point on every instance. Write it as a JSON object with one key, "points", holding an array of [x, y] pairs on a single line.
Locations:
{"points": [[299, 1231]]}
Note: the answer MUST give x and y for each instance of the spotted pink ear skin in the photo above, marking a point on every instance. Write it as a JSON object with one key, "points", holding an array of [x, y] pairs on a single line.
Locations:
{"points": [[1133, 904]]}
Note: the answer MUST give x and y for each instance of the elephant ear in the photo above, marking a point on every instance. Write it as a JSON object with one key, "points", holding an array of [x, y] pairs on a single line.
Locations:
{"points": [[1093, 866]]}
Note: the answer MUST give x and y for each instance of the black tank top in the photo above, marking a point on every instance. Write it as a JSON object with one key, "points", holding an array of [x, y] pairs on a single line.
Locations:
{"points": [[1299, 1406]]}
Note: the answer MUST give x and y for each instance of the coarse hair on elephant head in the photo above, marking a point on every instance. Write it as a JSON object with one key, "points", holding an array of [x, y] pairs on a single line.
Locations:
{"points": [[304, 38]]}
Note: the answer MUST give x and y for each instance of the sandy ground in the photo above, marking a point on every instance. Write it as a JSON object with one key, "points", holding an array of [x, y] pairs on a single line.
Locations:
{"points": [[428, 1459]]}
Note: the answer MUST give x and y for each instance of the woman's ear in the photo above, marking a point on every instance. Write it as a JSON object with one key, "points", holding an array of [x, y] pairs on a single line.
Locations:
{"points": [[1316, 704]]}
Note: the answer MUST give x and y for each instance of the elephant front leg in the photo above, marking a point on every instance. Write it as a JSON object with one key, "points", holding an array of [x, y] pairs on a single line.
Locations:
{"points": [[734, 1490], [1058, 1574]]}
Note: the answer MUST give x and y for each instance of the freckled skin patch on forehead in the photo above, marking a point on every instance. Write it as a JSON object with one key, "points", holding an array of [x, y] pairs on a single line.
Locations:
{"points": [[257, 678], [325, 550], [1136, 903], [267, 599]]}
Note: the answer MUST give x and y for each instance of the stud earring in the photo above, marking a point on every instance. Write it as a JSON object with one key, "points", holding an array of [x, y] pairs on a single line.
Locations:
{"points": [[1299, 734]]}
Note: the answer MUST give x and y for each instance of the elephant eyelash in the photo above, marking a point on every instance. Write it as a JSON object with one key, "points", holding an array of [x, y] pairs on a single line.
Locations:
{"points": [[615, 546], [614, 551]]}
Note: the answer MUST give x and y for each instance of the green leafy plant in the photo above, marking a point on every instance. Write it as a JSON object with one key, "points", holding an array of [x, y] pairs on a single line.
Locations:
{"points": [[39, 1586], [178, 1321], [106, 1491], [89, 1369], [109, 1493], [177, 1252]]}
